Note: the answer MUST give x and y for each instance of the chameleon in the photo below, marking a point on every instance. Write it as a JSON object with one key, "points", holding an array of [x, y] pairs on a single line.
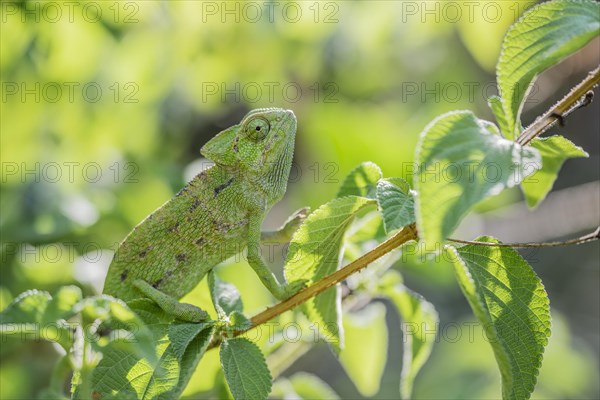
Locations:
{"points": [[218, 214]]}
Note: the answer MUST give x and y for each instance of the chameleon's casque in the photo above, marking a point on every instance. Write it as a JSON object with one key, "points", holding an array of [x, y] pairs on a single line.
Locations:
{"points": [[216, 215]]}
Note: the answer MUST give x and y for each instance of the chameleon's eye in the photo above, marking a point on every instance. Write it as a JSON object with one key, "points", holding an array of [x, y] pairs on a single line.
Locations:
{"points": [[258, 128]]}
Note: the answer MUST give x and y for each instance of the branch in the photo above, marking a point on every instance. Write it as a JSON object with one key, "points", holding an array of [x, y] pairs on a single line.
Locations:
{"points": [[590, 237], [576, 98]]}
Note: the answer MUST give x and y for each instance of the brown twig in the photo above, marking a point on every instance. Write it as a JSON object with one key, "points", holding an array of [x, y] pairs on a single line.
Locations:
{"points": [[580, 240], [576, 98]]}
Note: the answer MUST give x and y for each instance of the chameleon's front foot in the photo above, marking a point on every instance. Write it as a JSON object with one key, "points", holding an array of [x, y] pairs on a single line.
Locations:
{"points": [[289, 289]]}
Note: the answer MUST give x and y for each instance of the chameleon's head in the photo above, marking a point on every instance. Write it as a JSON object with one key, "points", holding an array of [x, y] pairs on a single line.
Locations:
{"points": [[260, 147]]}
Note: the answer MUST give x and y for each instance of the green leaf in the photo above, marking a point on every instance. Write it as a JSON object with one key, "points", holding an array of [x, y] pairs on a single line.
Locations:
{"points": [[127, 329], [28, 307], [462, 162], [366, 337], [181, 335], [495, 103], [225, 296], [396, 203], [361, 181], [367, 228], [543, 36], [555, 150], [36, 314], [245, 369], [62, 305], [238, 321], [34, 306], [197, 340], [314, 253], [178, 347], [303, 386], [419, 326], [509, 300]]}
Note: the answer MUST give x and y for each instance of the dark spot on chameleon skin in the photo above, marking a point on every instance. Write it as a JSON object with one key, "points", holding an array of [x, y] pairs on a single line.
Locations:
{"points": [[194, 205], [156, 284], [144, 252], [235, 148], [181, 257], [225, 227], [124, 275], [221, 226], [168, 273], [220, 188], [200, 242], [174, 228]]}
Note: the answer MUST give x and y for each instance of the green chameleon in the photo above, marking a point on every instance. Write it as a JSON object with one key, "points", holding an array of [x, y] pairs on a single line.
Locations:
{"points": [[215, 216]]}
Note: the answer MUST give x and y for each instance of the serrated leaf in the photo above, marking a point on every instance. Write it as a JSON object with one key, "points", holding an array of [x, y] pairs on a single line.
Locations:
{"points": [[35, 314], [361, 181], [198, 341], [62, 305], [462, 162], [314, 253], [419, 321], [178, 347], [367, 228], [238, 321], [129, 331], [495, 104], [245, 369], [181, 335], [127, 371], [542, 37], [509, 300], [122, 375], [225, 296], [396, 203], [28, 307], [366, 336], [555, 150]]}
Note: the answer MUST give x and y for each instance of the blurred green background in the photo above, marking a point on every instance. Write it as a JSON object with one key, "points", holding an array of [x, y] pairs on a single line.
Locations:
{"points": [[105, 106]]}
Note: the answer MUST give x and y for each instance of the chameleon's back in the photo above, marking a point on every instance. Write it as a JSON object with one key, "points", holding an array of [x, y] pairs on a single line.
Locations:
{"points": [[174, 247]]}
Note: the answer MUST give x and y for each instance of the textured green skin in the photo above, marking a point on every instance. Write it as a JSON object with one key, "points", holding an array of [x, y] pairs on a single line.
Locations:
{"points": [[216, 215]]}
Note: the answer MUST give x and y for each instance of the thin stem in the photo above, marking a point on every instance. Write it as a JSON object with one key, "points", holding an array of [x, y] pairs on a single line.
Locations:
{"points": [[576, 98], [580, 240]]}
